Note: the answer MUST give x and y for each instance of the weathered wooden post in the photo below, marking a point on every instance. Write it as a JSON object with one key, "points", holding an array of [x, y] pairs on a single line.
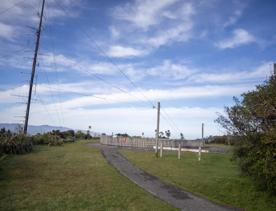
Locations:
{"points": [[157, 129], [161, 149], [199, 152], [179, 151]]}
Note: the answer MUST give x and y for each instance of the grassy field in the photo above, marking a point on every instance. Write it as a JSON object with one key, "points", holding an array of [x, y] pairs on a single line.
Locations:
{"points": [[215, 177], [69, 177]]}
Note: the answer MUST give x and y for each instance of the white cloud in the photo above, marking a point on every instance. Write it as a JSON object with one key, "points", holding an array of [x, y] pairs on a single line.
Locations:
{"points": [[24, 13], [151, 24], [240, 37], [115, 33], [233, 19], [6, 31], [131, 120], [261, 72], [155, 95], [170, 70], [59, 62], [143, 13], [179, 33], [107, 95], [121, 51], [239, 7]]}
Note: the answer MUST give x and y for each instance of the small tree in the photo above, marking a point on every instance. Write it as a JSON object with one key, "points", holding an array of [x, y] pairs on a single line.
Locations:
{"points": [[182, 136], [161, 134], [253, 121], [168, 133]]}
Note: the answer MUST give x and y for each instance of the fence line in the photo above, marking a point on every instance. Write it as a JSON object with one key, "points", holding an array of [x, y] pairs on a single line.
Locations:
{"points": [[147, 143]]}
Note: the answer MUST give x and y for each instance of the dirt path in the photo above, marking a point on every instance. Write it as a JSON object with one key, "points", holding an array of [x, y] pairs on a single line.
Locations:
{"points": [[175, 196]]}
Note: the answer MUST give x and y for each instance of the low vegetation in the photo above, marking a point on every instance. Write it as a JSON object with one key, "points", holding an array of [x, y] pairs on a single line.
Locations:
{"points": [[215, 177], [13, 143], [72, 177]]}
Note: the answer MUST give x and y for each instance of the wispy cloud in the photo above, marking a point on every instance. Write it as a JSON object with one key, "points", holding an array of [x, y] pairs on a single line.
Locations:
{"points": [[142, 14], [6, 31], [239, 37], [259, 73], [179, 33], [122, 51], [23, 15], [154, 95], [239, 7], [151, 24], [171, 70]]}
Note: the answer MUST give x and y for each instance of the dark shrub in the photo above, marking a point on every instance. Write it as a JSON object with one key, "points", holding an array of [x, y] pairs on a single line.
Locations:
{"points": [[16, 144]]}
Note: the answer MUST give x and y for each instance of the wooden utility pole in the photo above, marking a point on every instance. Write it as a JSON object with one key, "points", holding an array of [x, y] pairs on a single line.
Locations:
{"points": [[202, 133], [157, 129], [33, 69]]}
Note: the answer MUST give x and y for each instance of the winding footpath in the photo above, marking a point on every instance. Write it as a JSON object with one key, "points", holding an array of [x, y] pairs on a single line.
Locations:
{"points": [[173, 195]]}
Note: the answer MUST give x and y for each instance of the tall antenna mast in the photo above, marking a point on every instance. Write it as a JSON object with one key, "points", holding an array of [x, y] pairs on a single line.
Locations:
{"points": [[33, 69]]}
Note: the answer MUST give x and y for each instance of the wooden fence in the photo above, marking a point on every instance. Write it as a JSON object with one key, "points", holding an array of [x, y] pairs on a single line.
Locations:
{"points": [[146, 142]]}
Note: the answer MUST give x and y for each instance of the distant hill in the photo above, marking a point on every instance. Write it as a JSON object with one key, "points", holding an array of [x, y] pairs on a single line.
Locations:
{"points": [[32, 129]]}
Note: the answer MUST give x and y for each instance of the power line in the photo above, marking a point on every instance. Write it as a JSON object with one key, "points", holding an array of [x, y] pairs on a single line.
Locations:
{"points": [[170, 120], [107, 57], [55, 66], [117, 67]]}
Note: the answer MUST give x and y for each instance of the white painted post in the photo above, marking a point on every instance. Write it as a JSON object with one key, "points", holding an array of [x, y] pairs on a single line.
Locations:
{"points": [[179, 151], [200, 144], [161, 150], [199, 152], [157, 129]]}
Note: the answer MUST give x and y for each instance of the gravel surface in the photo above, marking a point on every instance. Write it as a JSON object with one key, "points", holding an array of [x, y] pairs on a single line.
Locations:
{"points": [[173, 195]]}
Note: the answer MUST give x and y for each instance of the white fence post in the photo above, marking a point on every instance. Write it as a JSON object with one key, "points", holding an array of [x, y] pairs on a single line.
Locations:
{"points": [[161, 150], [179, 151]]}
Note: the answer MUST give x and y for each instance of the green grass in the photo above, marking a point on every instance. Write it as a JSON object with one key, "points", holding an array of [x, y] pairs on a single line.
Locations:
{"points": [[224, 146], [69, 177], [215, 177]]}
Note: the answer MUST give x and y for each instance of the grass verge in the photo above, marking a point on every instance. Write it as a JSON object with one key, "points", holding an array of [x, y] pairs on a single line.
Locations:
{"points": [[216, 177], [69, 177]]}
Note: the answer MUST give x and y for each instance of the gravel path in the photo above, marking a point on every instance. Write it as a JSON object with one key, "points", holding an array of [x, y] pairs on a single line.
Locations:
{"points": [[175, 196]]}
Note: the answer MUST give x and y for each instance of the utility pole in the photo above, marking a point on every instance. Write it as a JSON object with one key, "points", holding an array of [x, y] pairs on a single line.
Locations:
{"points": [[33, 69], [157, 129], [202, 133]]}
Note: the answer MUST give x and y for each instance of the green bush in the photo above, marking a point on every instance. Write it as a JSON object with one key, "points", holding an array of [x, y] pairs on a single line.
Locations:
{"points": [[253, 120], [47, 139], [55, 140], [15, 144], [257, 158], [40, 139]]}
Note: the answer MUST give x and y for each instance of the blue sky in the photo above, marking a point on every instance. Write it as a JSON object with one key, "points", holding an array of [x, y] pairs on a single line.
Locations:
{"points": [[104, 63]]}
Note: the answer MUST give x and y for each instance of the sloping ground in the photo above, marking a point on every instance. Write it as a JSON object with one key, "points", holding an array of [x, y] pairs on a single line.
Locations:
{"points": [[215, 177], [70, 177], [175, 196]]}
